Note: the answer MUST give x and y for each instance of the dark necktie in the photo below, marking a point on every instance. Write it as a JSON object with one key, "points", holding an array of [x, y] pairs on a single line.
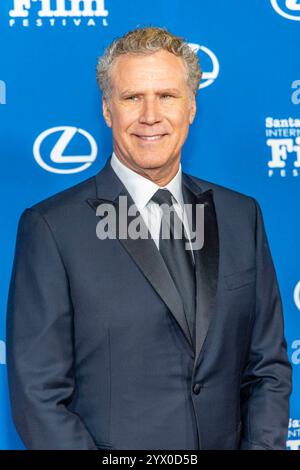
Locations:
{"points": [[177, 258]]}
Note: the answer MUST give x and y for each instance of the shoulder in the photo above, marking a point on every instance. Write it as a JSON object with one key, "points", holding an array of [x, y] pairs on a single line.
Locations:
{"points": [[67, 199], [225, 195], [232, 207]]}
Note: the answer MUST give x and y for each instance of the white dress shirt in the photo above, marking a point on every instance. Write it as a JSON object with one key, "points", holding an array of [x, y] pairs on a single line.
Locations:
{"points": [[142, 189]]}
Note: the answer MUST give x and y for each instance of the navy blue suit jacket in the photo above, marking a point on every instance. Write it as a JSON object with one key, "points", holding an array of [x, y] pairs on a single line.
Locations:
{"points": [[98, 349]]}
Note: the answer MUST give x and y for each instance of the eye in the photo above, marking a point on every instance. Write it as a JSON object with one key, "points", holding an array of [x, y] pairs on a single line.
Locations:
{"points": [[166, 96], [131, 98]]}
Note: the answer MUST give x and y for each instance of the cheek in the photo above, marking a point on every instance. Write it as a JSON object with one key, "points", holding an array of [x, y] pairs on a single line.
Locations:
{"points": [[118, 122], [181, 124], [121, 118], [179, 117]]}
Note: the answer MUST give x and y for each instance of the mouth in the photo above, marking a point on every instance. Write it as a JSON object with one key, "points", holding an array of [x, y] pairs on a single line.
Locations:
{"points": [[150, 138]]}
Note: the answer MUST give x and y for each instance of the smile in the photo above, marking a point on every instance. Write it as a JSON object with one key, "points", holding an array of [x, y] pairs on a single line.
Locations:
{"points": [[150, 138]]}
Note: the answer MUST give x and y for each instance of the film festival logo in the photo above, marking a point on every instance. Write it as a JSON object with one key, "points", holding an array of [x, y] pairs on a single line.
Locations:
{"points": [[289, 9], [293, 432], [283, 139], [50, 148], [127, 222], [58, 12]]}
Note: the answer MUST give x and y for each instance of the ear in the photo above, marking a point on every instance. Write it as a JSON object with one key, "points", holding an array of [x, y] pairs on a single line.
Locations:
{"points": [[193, 108], [106, 111]]}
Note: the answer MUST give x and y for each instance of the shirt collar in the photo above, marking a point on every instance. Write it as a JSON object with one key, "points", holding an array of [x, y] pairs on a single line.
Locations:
{"points": [[142, 189]]}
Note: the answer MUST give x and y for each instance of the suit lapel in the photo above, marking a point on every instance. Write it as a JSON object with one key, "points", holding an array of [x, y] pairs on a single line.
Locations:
{"points": [[147, 257], [206, 260], [143, 251]]}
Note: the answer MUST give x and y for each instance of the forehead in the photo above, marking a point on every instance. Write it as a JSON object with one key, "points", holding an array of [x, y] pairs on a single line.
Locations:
{"points": [[162, 68]]}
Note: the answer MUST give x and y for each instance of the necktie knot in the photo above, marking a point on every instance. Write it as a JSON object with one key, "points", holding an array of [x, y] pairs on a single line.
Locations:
{"points": [[162, 196]]}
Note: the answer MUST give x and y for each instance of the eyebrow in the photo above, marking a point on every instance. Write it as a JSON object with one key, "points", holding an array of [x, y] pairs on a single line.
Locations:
{"points": [[163, 91]]}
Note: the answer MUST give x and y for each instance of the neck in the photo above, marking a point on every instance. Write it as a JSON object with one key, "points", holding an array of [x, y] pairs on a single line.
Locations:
{"points": [[160, 175]]}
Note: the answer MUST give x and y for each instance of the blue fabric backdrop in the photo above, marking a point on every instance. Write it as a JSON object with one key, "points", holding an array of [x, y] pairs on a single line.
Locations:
{"points": [[246, 134]]}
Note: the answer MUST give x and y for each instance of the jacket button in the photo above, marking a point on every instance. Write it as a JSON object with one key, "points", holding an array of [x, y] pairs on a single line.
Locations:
{"points": [[196, 388]]}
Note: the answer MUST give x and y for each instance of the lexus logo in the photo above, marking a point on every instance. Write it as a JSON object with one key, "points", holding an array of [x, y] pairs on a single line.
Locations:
{"points": [[289, 9], [2, 92], [52, 157], [2, 352], [297, 295], [210, 64]]}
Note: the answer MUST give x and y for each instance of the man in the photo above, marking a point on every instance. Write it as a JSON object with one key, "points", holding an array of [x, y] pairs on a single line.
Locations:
{"points": [[139, 343]]}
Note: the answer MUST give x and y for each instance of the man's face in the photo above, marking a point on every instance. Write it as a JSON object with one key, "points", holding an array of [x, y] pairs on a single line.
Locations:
{"points": [[150, 110]]}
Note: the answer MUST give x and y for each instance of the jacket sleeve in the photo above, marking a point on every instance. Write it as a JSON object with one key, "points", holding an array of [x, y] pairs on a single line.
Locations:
{"points": [[40, 342], [266, 378]]}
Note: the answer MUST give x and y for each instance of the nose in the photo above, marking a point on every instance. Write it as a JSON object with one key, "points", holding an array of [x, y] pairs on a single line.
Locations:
{"points": [[150, 112]]}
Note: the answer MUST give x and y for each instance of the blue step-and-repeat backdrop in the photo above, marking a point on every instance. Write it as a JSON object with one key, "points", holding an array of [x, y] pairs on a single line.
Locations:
{"points": [[246, 134]]}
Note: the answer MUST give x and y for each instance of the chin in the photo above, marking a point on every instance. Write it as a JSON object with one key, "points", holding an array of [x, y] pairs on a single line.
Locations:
{"points": [[151, 161]]}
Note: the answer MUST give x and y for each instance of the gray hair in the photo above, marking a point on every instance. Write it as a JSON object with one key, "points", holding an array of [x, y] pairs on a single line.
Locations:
{"points": [[146, 41]]}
